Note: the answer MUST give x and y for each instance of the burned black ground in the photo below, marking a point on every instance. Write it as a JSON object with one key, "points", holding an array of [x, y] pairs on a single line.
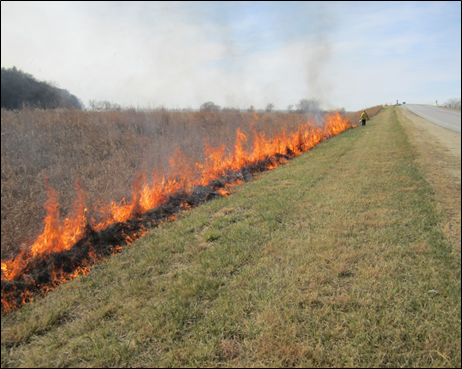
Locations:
{"points": [[48, 271]]}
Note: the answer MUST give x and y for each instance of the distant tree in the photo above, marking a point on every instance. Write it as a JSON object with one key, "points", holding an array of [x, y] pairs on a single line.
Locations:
{"points": [[68, 100], [290, 108], [269, 108], [20, 89], [309, 106], [251, 109], [103, 105], [453, 103], [209, 106]]}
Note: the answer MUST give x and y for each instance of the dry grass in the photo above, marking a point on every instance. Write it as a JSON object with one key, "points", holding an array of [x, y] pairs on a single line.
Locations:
{"points": [[440, 159], [104, 151], [333, 260]]}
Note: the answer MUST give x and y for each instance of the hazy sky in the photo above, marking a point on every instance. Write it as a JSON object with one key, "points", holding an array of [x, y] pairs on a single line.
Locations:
{"points": [[236, 54]]}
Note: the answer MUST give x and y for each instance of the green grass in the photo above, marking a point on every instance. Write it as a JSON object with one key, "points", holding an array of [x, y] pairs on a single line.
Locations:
{"points": [[326, 261]]}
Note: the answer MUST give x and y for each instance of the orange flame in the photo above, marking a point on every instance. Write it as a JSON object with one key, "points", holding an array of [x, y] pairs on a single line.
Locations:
{"points": [[62, 235]]}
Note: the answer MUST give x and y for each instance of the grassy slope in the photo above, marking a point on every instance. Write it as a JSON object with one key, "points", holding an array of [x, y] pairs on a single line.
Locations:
{"points": [[326, 261]]}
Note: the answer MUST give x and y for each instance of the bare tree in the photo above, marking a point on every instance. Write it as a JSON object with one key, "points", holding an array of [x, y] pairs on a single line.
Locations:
{"points": [[269, 108], [453, 103], [309, 106], [103, 105]]}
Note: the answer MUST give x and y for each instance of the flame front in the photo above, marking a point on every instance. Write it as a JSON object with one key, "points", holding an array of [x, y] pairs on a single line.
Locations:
{"points": [[59, 235]]}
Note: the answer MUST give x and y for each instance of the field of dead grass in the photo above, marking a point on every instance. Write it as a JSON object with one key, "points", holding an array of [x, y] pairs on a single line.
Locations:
{"points": [[103, 151], [335, 259]]}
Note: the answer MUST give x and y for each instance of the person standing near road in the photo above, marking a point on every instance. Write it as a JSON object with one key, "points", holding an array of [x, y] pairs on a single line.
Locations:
{"points": [[364, 117]]}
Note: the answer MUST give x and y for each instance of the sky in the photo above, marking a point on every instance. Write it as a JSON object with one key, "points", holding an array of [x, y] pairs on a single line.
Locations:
{"points": [[350, 55]]}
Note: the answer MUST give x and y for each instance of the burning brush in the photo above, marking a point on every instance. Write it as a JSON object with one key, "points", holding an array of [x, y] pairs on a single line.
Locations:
{"points": [[67, 249]]}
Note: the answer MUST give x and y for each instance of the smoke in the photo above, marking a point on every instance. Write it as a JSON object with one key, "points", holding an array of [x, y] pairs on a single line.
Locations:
{"points": [[177, 54], [317, 82], [318, 56]]}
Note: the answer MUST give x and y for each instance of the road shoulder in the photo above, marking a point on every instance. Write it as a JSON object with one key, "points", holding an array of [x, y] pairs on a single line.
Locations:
{"points": [[439, 155]]}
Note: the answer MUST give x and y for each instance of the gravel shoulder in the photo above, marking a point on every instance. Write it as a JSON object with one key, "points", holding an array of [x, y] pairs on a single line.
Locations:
{"points": [[439, 155]]}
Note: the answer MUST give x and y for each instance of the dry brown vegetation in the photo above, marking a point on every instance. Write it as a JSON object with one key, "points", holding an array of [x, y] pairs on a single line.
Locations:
{"points": [[104, 151]]}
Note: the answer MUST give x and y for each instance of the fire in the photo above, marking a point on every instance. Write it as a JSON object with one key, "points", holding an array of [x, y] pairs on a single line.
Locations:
{"points": [[223, 192], [61, 235]]}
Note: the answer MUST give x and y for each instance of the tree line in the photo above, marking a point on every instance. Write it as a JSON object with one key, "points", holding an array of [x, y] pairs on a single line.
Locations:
{"points": [[21, 89], [303, 106]]}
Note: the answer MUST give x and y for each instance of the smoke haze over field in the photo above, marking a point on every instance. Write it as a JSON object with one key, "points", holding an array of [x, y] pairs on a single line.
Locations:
{"points": [[237, 54]]}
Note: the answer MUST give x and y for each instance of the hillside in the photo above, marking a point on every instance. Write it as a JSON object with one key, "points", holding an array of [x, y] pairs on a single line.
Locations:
{"points": [[21, 89]]}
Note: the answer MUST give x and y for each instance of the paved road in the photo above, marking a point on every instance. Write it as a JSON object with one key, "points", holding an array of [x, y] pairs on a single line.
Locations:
{"points": [[443, 117]]}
